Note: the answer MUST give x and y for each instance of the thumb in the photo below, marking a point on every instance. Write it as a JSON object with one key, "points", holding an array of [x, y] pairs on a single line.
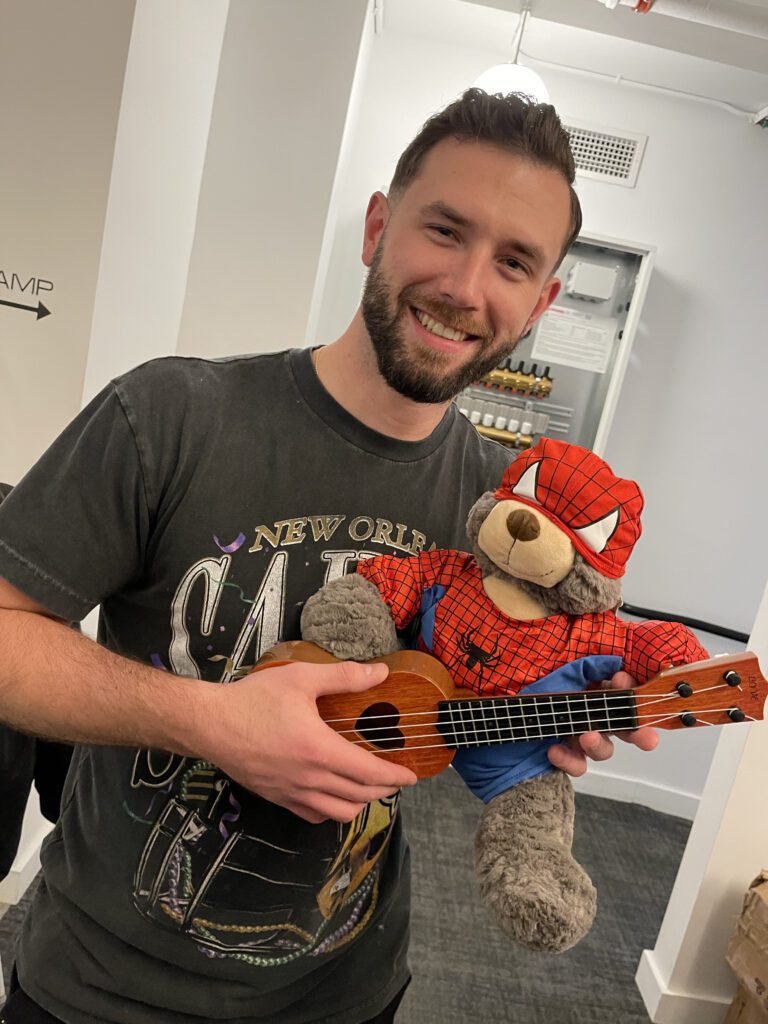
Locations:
{"points": [[346, 677]]}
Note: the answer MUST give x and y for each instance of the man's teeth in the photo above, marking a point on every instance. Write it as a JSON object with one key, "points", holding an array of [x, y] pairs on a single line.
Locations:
{"points": [[439, 329]]}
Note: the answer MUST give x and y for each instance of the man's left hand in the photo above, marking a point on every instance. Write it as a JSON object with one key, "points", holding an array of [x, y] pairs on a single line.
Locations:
{"points": [[571, 756]]}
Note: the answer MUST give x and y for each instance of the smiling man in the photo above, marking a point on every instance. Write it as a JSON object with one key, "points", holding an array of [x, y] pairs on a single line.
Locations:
{"points": [[475, 234], [462, 255], [222, 854]]}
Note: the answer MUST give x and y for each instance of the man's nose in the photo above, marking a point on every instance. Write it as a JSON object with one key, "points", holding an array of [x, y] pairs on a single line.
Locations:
{"points": [[522, 525], [462, 284]]}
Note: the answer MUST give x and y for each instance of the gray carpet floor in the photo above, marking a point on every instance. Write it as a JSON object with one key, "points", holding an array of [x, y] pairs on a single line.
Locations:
{"points": [[466, 972]]}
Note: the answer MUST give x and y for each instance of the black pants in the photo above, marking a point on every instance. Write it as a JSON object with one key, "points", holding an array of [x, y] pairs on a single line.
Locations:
{"points": [[21, 1010]]}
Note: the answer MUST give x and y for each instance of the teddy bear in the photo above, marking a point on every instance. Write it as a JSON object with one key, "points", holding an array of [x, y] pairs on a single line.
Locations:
{"points": [[531, 609]]}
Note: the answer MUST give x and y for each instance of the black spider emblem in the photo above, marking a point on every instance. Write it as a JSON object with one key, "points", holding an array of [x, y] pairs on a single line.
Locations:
{"points": [[476, 657]]}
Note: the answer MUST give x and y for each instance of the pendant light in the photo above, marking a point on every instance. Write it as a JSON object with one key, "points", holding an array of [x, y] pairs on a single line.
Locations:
{"points": [[511, 76]]}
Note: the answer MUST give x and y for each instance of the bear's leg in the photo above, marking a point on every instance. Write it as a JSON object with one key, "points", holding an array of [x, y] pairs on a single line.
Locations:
{"points": [[537, 893]]}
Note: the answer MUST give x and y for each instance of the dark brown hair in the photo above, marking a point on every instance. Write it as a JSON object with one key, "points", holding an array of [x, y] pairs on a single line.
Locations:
{"points": [[513, 122]]}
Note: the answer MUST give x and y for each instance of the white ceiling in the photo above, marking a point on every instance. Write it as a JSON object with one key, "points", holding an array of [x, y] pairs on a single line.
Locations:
{"points": [[655, 48]]}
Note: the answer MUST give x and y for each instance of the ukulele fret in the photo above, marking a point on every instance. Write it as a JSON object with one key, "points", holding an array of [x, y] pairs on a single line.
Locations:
{"points": [[479, 722]]}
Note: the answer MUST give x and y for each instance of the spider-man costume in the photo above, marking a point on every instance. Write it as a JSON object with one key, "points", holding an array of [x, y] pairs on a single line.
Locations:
{"points": [[491, 653]]}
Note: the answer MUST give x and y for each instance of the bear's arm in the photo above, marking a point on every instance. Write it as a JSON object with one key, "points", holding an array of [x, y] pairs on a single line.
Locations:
{"points": [[402, 581], [653, 645]]}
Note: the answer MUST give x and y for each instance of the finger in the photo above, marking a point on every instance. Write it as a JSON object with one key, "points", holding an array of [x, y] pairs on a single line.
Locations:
{"points": [[352, 761], [621, 681], [331, 807], [345, 677], [347, 789], [303, 811], [596, 746], [572, 762], [644, 738]]}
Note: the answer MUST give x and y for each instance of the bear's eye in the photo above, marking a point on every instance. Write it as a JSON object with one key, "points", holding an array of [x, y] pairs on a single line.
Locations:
{"points": [[526, 485], [596, 535]]}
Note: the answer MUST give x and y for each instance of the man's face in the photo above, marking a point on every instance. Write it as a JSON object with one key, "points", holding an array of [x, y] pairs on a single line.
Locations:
{"points": [[460, 266]]}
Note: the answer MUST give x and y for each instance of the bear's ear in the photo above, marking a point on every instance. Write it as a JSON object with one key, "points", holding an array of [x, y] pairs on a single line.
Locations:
{"points": [[479, 513]]}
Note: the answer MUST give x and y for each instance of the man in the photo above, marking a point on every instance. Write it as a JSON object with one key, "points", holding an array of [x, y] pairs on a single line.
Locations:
{"points": [[245, 863], [24, 760]]}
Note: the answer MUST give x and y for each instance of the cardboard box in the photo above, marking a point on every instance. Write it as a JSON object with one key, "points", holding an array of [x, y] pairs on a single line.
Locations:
{"points": [[748, 953], [745, 1009]]}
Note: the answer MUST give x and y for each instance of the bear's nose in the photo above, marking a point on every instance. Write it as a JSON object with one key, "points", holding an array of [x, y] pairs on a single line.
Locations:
{"points": [[522, 525]]}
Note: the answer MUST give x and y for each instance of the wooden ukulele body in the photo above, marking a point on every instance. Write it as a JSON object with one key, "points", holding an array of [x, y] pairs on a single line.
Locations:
{"points": [[414, 686]]}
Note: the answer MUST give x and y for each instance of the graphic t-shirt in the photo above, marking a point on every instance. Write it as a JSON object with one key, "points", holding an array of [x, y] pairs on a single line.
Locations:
{"points": [[199, 503]]}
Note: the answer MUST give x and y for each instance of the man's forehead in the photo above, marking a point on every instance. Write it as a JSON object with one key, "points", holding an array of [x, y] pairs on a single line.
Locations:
{"points": [[452, 156], [482, 185]]}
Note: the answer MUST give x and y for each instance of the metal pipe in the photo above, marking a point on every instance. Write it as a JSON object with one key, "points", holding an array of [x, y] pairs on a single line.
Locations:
{"points": [[723, 14]]}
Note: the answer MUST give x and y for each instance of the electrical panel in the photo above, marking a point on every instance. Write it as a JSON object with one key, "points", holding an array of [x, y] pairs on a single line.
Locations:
{"points": [[564, 377]]}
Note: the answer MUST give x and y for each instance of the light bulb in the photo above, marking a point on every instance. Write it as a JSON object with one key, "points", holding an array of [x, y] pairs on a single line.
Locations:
{"points": [[510, 77]]}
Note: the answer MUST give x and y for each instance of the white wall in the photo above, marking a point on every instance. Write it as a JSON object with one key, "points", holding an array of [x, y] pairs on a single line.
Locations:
{"points": [[162, 138], [61, 78], [277, 128], [689, 422]]}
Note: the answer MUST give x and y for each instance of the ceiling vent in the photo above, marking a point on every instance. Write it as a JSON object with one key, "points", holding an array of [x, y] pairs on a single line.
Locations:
{"points": [[605, 154]]}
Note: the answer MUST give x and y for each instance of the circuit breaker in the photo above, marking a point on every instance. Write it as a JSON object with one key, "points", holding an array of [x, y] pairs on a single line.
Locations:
{"points": [[563, 379]]}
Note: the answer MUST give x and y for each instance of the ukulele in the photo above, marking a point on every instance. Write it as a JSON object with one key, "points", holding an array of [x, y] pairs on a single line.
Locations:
{"points": [[419, 718]]}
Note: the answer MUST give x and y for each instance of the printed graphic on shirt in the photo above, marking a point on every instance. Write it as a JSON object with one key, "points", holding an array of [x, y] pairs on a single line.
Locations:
{"points": [[240, 876]]}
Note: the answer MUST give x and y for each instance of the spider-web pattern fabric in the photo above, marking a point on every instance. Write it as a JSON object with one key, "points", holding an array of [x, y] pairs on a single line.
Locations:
{"points": [[576, 488], [491, 653]]}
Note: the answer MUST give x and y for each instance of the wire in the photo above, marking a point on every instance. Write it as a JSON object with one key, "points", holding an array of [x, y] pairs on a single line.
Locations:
{"points": [[621, 80], [708, 627], [517, 42]]}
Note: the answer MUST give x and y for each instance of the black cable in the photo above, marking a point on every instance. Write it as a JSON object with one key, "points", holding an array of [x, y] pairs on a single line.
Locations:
{"points": [[708, 627]]}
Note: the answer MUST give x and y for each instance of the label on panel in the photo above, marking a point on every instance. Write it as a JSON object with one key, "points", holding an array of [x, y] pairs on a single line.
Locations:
{"points": [[570, 337]]}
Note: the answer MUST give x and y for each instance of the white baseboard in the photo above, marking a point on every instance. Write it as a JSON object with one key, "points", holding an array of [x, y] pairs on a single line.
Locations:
{"points": [[667, 1007], [637, 791]]}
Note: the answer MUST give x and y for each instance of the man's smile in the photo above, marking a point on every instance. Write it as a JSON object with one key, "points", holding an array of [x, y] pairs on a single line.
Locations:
{"points": [[438, 334]]}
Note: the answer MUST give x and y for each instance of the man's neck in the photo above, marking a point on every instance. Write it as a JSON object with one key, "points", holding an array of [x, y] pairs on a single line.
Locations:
{"points": [[348, 371]]}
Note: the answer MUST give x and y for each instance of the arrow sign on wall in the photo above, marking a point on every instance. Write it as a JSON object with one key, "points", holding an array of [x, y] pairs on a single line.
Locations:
{"points": [[39, 308]]}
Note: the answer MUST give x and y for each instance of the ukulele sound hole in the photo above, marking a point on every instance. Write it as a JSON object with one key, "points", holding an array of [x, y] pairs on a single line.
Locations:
{"points": [[378, 726]]}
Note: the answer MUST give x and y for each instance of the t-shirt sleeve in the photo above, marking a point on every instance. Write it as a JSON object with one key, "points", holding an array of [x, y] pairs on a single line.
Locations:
{"points": [[402, 581], [654, 645], [75, 528]]}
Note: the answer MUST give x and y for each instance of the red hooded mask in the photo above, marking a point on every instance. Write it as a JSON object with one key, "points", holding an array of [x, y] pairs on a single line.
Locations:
{"points": [[579, 492]]}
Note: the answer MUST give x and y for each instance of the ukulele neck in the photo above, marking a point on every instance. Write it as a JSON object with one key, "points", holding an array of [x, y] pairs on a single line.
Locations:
{"points": [[472, 723]]}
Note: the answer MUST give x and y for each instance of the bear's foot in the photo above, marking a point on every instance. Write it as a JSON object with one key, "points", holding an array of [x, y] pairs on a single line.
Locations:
{"points": [[537, 893]]}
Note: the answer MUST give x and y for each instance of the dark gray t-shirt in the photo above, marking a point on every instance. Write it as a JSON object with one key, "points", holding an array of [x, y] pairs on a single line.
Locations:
{"points": [[200, 502]]}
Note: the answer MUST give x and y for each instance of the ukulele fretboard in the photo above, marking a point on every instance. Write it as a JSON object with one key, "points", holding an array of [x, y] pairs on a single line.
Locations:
{"points": [[472, 723]]}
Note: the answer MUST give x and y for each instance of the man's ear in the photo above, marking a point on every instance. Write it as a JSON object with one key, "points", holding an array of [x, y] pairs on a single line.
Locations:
{"points": [[548, 295], [376, 218]]}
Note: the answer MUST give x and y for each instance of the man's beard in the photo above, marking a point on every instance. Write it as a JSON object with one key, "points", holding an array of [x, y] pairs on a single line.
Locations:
{"points": [[422, 377]]}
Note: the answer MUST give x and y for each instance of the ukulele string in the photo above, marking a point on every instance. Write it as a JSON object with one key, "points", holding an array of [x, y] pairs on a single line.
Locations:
{"points": [[532, 699], [500, 727], [478, 743]]}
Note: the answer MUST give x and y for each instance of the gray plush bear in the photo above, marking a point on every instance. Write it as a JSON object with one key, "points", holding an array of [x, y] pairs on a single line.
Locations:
{"points": [[538, 593]]}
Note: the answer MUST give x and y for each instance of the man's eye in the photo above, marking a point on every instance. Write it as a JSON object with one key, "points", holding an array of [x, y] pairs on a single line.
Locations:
{"points": [[512, 264], [441, 230]]}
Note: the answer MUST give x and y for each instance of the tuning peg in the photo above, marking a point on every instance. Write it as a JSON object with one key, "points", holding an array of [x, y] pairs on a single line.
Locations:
{"points": [[684, 689], [732, 678], [688, 718], [736, 715]]}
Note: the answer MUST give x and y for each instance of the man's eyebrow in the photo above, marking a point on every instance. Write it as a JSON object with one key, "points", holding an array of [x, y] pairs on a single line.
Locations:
{"points": [[441, 209]]}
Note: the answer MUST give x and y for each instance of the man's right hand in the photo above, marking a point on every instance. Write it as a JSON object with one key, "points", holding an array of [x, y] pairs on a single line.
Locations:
{"points": [[266, 733]]}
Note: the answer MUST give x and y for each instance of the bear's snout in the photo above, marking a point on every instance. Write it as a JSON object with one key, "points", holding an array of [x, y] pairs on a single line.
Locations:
{"points": [[523, 525]]}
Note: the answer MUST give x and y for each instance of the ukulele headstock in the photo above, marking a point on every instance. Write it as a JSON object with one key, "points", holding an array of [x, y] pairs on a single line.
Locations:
{"points": [[727, 688]]}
